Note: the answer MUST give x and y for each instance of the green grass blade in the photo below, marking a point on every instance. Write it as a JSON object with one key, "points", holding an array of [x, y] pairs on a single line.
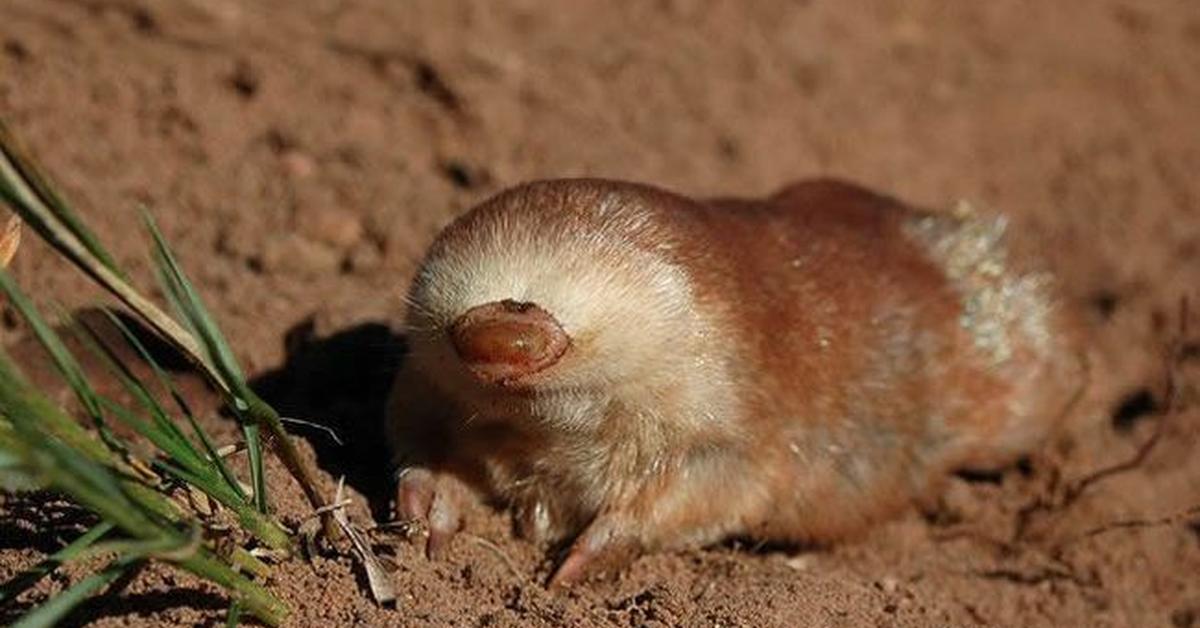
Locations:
{"points": [[81, 467], [21, 582], [254, 598], [160, 430], [257, 476], [263, 414], [185, 298], [168, 446], [98, 488], [145, 550], [183, 294], [207, 348], [63, 360], [33, 421], [257, 523], [192, 468], [19, 188], [137, 510], [17, 406], [57, 607], [38, 187], [95, 340], [180, 402], [233, 618], [14, 476]]}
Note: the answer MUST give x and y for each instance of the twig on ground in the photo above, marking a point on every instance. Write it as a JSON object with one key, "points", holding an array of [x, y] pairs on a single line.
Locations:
{"points": [[1134, 524], [378, 578], [317, 426], [1173, 354], [337, 505]]}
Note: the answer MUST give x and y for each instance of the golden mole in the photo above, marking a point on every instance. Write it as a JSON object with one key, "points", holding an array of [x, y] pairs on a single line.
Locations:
{"points": [[633, 370]]}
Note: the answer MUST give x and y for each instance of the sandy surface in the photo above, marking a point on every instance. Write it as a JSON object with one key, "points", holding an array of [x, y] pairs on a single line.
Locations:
{"points": [[301, 155]]}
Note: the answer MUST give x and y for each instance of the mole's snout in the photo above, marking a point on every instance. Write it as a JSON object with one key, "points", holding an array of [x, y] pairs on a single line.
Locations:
{"points": [[503, 341]]}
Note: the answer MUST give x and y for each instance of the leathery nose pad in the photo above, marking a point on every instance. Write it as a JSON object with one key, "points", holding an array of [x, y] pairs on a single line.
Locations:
{"points": [[503, 341]]}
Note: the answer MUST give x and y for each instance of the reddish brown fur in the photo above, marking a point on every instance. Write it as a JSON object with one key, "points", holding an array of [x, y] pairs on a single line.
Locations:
{"points": [[855, 379]]}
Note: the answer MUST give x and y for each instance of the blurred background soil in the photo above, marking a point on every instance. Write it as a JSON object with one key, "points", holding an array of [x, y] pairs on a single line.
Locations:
{"points": [[301, 155]]}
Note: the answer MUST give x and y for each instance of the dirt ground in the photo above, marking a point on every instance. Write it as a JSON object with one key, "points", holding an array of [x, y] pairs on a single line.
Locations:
{"points": [[301, 155]]}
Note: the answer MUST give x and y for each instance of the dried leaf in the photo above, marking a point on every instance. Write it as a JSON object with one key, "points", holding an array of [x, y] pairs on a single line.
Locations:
{"points": [[10, 240], [378, 578], [200, 502]]}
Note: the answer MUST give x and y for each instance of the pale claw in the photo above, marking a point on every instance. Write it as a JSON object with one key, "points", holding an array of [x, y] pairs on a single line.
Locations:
{"points": [[605, 546], [414, 494], [445, 519], [434, 500], [533, 522]]}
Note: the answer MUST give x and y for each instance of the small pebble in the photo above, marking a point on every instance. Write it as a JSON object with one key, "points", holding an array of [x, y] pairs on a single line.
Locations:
{"points": [[338, 228], [889, 585], [294, 254], [803, 562], [365, 257], [297, 164]]}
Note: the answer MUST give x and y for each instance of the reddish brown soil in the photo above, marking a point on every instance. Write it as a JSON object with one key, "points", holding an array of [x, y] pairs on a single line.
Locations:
{"points": [[301, 155]]}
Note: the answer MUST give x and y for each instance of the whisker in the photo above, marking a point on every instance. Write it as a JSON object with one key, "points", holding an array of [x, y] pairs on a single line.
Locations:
{"points": [[415, 305], [409, 327]]}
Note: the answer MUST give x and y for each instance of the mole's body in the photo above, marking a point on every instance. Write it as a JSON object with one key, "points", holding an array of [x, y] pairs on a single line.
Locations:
{"points": [[645, 371]]}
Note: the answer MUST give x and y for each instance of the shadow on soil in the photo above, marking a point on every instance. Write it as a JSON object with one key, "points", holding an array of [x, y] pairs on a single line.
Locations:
{"points": [[335, 389]]}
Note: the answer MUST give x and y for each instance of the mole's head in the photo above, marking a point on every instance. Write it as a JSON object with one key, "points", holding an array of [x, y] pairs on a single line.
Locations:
{"points": [[553, 287]]}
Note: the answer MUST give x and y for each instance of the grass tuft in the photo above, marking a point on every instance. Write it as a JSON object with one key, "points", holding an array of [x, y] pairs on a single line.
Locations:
{"points": [[150, 472]]}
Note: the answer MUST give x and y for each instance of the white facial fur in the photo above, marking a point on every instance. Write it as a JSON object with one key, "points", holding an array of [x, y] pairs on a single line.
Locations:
{"points": [[635, 332]]}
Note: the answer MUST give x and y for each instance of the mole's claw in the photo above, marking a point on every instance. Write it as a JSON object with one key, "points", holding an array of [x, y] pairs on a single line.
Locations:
{"points": [[604, 546], [432, 500], [414, 494], [445, 520]]}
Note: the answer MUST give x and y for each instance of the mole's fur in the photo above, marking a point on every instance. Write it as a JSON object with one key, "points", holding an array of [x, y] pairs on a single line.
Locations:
{"points": [[636, 370]]}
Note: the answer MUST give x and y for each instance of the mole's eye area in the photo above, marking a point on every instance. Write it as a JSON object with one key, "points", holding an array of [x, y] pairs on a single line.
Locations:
{"points": [[503, 341]]}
